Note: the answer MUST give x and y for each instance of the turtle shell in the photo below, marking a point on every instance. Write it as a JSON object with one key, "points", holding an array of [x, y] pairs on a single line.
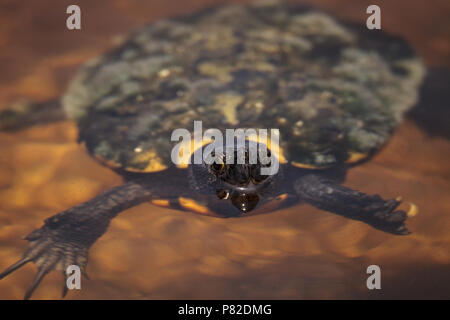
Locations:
{"points": [[335, 91]]}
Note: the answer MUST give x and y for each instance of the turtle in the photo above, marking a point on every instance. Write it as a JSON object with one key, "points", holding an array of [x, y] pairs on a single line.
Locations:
{"points": [[333, 91]]}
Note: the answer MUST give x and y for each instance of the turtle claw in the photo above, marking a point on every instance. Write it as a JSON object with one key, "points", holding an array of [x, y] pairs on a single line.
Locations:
{"points": [[40, 275], [50, 251], [14, 267], [64, 288], [385, 215], [371, 209]]}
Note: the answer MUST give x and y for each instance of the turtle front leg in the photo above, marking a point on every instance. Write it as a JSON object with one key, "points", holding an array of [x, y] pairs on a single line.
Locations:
{"points": [[66, 237], [371, 209]]}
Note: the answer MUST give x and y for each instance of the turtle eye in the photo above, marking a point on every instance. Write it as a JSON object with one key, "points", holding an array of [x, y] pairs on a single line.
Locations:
{"points": [[258, 179], [222, 194], [217, 167], [255, 174]]}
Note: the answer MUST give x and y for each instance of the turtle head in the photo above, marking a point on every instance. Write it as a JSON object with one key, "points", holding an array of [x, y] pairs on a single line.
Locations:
{"points": [[241, 174]]}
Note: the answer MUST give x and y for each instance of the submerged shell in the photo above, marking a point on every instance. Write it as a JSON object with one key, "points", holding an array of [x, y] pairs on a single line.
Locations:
{"points": [[334, 91]]}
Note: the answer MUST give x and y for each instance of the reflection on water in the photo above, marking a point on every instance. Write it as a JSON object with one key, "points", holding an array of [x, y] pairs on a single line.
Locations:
{"points": [[151, 252]]}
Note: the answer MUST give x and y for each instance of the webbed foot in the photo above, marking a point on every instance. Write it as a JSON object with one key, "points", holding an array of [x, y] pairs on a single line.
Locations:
{"points": [[50, 249], [371, 209], [66, 237]]}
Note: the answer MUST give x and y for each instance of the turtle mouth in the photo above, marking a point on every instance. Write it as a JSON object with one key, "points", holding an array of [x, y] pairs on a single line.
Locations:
{"points": [[244, 199]]}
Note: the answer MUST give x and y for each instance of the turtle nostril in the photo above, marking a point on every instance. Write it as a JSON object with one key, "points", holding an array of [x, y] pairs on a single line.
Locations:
{"points": [[245, 202]]}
